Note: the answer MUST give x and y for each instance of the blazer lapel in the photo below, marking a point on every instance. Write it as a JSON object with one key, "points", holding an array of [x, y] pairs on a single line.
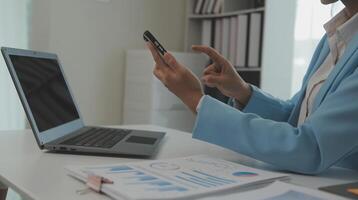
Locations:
{"points": [[322, 57], [323, 53], [341, 64]]}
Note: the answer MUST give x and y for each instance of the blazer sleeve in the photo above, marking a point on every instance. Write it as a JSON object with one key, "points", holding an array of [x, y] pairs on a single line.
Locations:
{"points": [[267, 106], [328, 135]]}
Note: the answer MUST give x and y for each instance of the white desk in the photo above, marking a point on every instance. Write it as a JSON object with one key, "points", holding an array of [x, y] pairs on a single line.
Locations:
{"points": [[35, 174]]}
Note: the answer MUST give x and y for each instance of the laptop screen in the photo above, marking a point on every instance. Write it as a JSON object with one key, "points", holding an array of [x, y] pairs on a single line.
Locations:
{"points": [[46, 91]]}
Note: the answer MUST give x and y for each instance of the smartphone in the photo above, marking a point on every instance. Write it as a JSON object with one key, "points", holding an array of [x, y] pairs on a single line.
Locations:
{"points": [[149, 37]]}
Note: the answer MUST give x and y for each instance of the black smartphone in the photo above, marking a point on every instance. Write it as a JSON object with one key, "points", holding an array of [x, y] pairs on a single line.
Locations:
{"points": [[149, 37]]}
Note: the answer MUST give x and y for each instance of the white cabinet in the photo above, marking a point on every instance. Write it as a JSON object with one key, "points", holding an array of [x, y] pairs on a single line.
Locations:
{"points": [[147, 101]]}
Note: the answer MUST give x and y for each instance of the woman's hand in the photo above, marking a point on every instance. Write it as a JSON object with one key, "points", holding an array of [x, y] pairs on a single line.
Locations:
{"points": [[177, 78], [222, 75]]}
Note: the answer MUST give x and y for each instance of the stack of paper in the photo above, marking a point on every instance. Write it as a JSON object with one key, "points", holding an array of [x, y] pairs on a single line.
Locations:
{"points": [[187, 177]]}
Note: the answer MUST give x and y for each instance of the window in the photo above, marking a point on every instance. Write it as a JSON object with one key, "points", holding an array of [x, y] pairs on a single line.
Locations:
{"points": [[13, 33], [311, 15]]}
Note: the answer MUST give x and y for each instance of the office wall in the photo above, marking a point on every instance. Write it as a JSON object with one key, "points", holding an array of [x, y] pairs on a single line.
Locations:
{"points": [[91, 36], [13, 33], [278, 47]]}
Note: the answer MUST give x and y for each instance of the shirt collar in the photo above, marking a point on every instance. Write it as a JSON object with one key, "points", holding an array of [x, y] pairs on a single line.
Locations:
{"points": [[344, 24], [347, 31]]}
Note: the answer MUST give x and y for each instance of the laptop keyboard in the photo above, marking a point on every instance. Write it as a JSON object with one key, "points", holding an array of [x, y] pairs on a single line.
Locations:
{"points": [[98, 137]]}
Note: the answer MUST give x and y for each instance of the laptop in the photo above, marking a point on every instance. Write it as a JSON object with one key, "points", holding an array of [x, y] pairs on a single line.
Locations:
{"points": [[54, 116]]}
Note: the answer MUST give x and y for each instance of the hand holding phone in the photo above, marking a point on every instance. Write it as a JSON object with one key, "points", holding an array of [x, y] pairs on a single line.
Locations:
{"points": [[175, 76], [149, 37]]}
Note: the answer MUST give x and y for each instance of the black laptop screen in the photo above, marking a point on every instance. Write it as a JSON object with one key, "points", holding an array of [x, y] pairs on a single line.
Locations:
{"points": [[45, 90]]}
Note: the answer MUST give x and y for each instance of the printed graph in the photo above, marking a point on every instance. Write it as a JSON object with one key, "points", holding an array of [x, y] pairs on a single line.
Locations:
{"points": [[164, 166], [202, 179], [244, 174]]}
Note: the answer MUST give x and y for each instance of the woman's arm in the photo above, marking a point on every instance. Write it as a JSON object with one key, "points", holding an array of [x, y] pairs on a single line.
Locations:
{"points": [[328, 135], [267, 106]]}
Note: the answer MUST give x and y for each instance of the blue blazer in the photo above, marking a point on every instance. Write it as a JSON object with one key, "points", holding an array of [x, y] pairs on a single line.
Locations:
{"points": [[267, 127]]}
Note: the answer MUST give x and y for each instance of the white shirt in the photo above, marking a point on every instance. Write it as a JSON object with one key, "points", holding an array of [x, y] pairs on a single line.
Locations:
{"points": [[340, 30]]}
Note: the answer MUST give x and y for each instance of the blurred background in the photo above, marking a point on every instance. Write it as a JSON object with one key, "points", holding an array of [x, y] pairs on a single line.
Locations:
{"points": [[100, 45], [93, 37]]}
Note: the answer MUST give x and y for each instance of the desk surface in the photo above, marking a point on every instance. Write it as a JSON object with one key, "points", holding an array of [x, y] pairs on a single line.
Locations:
{"points": [[39, 175]]}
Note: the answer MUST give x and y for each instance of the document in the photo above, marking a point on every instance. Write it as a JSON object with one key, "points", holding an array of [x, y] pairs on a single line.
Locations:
{"points": [[278, 191], [189, 177]]}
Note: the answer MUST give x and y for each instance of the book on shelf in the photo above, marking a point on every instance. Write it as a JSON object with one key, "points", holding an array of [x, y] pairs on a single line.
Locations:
{"points": [[211, 6], [238, 38], [206, 33], [205, 7], [255, 37], [218, 6], [218, 35], [225, 37], [199, 6], [232, 43], [241, 41], [259, 3], [208, 6]]}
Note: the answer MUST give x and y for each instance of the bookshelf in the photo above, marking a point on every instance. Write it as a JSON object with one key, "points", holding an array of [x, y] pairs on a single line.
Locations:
{"points": [[196, 26], [227, 14]]}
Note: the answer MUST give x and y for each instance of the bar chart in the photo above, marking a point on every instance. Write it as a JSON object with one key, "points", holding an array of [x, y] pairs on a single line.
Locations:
{"points": [[202, 179]]}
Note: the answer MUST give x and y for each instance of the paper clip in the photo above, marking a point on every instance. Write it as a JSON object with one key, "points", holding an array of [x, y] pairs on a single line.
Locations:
{"points": [[94, 183]]}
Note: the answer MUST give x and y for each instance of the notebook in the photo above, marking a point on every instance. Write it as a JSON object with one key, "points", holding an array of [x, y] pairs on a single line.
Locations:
{"points": [[349, 190]]}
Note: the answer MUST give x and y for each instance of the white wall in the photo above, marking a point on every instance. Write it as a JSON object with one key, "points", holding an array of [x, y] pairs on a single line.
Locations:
{"points": [[91, 36], [13, 33], [311, 15], [278, 47]]}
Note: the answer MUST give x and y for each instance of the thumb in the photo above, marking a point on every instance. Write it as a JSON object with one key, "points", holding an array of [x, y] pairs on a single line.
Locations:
{"points": [[211, 69], [211, 80]]}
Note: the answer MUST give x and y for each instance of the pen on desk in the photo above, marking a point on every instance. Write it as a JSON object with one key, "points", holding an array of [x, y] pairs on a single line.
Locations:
{"points": [[94, 183]]}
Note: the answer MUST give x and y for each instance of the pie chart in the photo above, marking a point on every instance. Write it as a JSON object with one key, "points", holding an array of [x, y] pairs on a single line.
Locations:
{"points": [[244, 174]]}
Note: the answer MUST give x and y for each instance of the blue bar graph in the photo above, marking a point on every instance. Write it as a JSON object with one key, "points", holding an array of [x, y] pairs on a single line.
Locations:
{"points": [[170, 189], [193, 181], [202, 179], [126, 172], [221, 181], [144, 178], [159, 183], [120, 168], [214, 177]]}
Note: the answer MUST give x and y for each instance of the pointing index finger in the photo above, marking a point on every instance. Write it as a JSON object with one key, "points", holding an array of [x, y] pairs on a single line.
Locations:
{"points": [[211, 52]]}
